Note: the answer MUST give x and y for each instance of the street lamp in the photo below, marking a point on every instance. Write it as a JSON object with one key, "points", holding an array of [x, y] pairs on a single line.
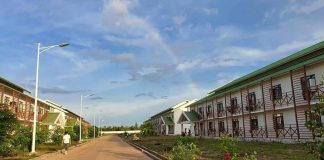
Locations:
{"points": [[39, 51], [80, 134]]}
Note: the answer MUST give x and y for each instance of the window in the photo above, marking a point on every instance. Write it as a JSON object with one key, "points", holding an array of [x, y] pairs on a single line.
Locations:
{"points": [[7, 100], [200, 110], [279, 121], [209, 109], [221, 126], [210, 126], [317, 119], [251, 99], [307, 85], [276, 92], [234, 102], [220, 106], [254, 123], [235, 124]]}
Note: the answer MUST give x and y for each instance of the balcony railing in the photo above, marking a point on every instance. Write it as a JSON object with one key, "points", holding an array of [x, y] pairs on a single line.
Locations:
{"points": [[315, 92], [286, 99], [238, 132], [211, 132], [258, 132], [221, 131], [221, 113], [234, 110], [253, 107], [210, 115], [287, 131]]}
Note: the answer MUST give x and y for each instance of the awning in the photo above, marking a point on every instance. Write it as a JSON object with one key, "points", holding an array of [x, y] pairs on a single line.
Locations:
{"points": [[188, 117], [167, 120], [50, 119]]}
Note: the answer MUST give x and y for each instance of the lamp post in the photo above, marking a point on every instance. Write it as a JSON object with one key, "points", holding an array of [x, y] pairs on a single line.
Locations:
{"points": [[94, 126], [39, 51], [80, 134]]}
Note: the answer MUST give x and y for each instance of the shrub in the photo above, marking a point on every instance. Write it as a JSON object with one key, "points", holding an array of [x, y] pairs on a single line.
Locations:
{"points": [[252, 156], [57, 135], [228, 144], [22, 138], [185, 140], [184, 152], [6, 148], [147, 129], [42, 135]]}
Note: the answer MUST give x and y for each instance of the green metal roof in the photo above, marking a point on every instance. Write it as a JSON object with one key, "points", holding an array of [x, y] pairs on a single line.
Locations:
{"points": [[193, 116], [167, 120], [50, 119], [278, 63], [306, 56], [162, 112]]}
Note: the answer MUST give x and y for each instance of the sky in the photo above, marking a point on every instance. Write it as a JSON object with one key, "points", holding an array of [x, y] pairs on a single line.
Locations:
{"points": [[140, 57]]}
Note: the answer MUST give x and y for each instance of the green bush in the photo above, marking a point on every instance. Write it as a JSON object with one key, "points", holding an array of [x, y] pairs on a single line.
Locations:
{"points": [[22, 138], [42, 135], [228, 144], [147, 129], [185, 140], [57, 135], [6, 148], [184, 152]]}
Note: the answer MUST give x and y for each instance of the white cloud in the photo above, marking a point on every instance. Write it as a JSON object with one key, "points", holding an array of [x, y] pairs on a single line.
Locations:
{"points": [[210, 11], [303, 7], [179, 20]]}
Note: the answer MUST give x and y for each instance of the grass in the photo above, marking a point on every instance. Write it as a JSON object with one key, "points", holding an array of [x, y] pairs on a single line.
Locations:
{"points": [[40, 150], [211, 148]]}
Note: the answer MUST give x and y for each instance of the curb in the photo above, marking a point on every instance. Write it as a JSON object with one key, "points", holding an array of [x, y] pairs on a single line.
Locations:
{"points": [[152, 154]]}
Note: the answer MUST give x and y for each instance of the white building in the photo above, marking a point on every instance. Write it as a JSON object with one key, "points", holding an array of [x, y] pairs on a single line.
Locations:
{"points": [[166, 122]]}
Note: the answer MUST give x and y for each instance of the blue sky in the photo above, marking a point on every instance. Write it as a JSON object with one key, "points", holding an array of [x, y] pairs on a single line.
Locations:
{"points": [[142, 56]]}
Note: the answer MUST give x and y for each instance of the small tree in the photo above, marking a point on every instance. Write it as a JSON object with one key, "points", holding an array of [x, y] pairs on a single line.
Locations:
{"points": [[184, 152], [8, 124], [316, 127], [22, 138], [57, 135], [147, 129]]}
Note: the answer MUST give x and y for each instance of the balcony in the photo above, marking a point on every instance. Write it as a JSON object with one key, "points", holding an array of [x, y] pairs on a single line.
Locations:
{"points": [[286, 99], [258, 132], [234, 110], [210, 115], [221, 113], [211, 132], [238, 132], [253, 107], [314, 92], [287, 131]]}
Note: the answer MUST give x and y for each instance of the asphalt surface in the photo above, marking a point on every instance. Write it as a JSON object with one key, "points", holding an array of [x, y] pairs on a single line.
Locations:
{"points": [[109, 147]]}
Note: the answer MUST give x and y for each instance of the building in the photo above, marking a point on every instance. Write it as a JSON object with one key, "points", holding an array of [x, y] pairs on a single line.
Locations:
{"points": [[50, 114], [166, 122], [273, 102]]}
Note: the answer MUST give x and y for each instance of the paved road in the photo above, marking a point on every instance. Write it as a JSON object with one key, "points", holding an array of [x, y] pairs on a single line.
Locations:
{"points": [[109, 147]]}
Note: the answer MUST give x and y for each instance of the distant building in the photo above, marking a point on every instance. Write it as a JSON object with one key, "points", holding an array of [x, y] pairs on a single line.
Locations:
{"points": [[50, 114], [166, 122]]}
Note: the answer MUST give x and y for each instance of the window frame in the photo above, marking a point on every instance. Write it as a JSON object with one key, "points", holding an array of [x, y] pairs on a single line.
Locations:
{"points": [[279, 122], [276, 92]]}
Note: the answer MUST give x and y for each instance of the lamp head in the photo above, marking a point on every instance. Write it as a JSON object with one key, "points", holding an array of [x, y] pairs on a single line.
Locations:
{"points": [[64, 44]]}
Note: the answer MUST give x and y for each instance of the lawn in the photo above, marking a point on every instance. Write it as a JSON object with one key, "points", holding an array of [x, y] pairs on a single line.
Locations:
{"points": [[40, 150], [211, 148]]}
